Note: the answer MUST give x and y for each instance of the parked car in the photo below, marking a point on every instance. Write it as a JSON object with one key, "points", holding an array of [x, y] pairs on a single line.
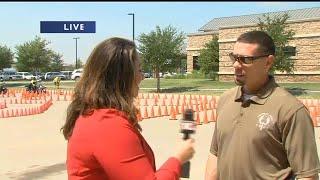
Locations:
{"points": [[147, 75], [39, 75], [68, 74], [167, 74], [76, 74], [10, 76], [52, 75], [26, 75]]}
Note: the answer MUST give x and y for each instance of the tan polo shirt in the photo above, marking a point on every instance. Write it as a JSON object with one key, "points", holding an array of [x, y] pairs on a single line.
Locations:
{"points": [[271, 137]]}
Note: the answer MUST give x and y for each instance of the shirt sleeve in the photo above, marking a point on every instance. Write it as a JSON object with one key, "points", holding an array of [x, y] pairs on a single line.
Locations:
{"points": [[214, 142], [300, 144], [120, 152]]}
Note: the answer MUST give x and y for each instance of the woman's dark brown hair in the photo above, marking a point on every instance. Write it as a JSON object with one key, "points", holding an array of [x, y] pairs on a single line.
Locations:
{"points": [[107, 82]]}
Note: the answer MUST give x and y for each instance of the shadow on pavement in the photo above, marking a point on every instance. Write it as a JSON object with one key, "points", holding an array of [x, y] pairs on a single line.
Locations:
{"points": [[297, 91], [38, 173], [177, 89]]}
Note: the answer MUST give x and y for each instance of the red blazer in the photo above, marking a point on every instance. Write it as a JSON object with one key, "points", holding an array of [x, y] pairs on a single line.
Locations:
{"points": [[104, 145]]}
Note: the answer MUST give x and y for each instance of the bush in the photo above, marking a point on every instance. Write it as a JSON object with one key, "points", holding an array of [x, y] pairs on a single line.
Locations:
{"points": [[176, 76], [213, 75], [196, 75]]}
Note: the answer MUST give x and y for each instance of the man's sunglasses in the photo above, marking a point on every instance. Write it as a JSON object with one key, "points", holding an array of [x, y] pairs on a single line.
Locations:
{"points": [[244, 59]]}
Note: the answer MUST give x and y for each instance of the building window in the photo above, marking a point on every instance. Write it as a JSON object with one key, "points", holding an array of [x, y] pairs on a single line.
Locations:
{"points": [[290, 51], [196, 65]]}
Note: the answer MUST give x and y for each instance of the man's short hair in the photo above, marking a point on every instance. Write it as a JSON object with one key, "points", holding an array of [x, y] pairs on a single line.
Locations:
{"points": [[265, 42]]}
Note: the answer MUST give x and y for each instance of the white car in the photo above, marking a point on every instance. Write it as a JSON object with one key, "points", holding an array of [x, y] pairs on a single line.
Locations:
{"points": [[52, 75], [67, 74], [76, 74], [26, 75]]}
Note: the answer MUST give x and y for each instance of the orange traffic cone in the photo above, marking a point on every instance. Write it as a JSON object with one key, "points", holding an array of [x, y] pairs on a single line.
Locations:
{"points": [[139, 118], [209, 105], [173, 114], [12, 113], [177, 109], [145, 113], [163, 103], [182, 109], [198, 118], [2, 114], [165, 113], [201, 106], [21, 112], [17, 112], [213, 116], [312, 111], [205, 99], [170, 102], [156, 100], [159, 111], [197, 107], [151, 112], [7, 114], [205, 117]]}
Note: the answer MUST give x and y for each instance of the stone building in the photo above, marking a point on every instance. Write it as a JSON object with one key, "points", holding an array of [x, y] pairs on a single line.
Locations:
{"points": [[305, 46]]}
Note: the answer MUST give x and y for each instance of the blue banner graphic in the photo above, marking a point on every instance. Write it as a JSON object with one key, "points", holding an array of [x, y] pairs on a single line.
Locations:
{"points": [[67, 27]]}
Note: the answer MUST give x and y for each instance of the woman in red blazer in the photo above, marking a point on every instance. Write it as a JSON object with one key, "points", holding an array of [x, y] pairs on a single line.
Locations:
{"points": [[104, 140]]}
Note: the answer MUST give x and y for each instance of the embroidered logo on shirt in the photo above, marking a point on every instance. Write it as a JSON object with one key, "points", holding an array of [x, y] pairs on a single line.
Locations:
{"points": [[265, 121]]}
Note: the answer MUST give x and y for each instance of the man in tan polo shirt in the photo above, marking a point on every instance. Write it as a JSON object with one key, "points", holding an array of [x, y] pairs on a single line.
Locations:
{"points": [[262, 131]]}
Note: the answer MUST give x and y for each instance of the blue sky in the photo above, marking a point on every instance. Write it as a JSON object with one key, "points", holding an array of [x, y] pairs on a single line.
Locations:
{"points": [[20, 21]]}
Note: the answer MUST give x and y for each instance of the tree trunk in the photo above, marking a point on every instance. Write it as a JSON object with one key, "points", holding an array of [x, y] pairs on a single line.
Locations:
{"points": [[158, 80]]}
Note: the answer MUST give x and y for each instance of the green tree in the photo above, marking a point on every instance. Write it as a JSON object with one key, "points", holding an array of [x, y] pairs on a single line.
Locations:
{"points": [[6, 57], [80, 64], [145, 66], [209, 56], [160, 49], [56, 62], [181, 63], [277, 28], [33, 56]]}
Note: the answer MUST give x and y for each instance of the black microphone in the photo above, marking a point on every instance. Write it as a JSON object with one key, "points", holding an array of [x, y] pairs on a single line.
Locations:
{"points": [[187, 127]]}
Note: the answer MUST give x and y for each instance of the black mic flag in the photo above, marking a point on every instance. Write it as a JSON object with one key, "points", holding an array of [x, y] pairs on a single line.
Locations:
{"points": [[187, 126]]}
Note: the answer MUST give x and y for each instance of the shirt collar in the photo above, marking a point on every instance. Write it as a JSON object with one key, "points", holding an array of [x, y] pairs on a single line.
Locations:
{"points": [[262, 95]]}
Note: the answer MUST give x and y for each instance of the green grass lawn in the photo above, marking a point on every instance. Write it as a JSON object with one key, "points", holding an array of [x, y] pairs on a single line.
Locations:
{"points": [[187, 83], [207, 83], [194, 86], [201, 86]]}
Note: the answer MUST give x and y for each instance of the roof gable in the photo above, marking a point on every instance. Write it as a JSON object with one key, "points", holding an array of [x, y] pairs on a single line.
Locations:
{"points": [[294, 15]]}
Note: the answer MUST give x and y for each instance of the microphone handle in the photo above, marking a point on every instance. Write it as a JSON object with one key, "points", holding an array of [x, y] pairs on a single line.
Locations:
{"points": [[185, 136], [185, 170]]}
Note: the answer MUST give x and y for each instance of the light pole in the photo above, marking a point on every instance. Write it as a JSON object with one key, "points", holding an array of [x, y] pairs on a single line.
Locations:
{"points": [[76, 38], [132, 14]]}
